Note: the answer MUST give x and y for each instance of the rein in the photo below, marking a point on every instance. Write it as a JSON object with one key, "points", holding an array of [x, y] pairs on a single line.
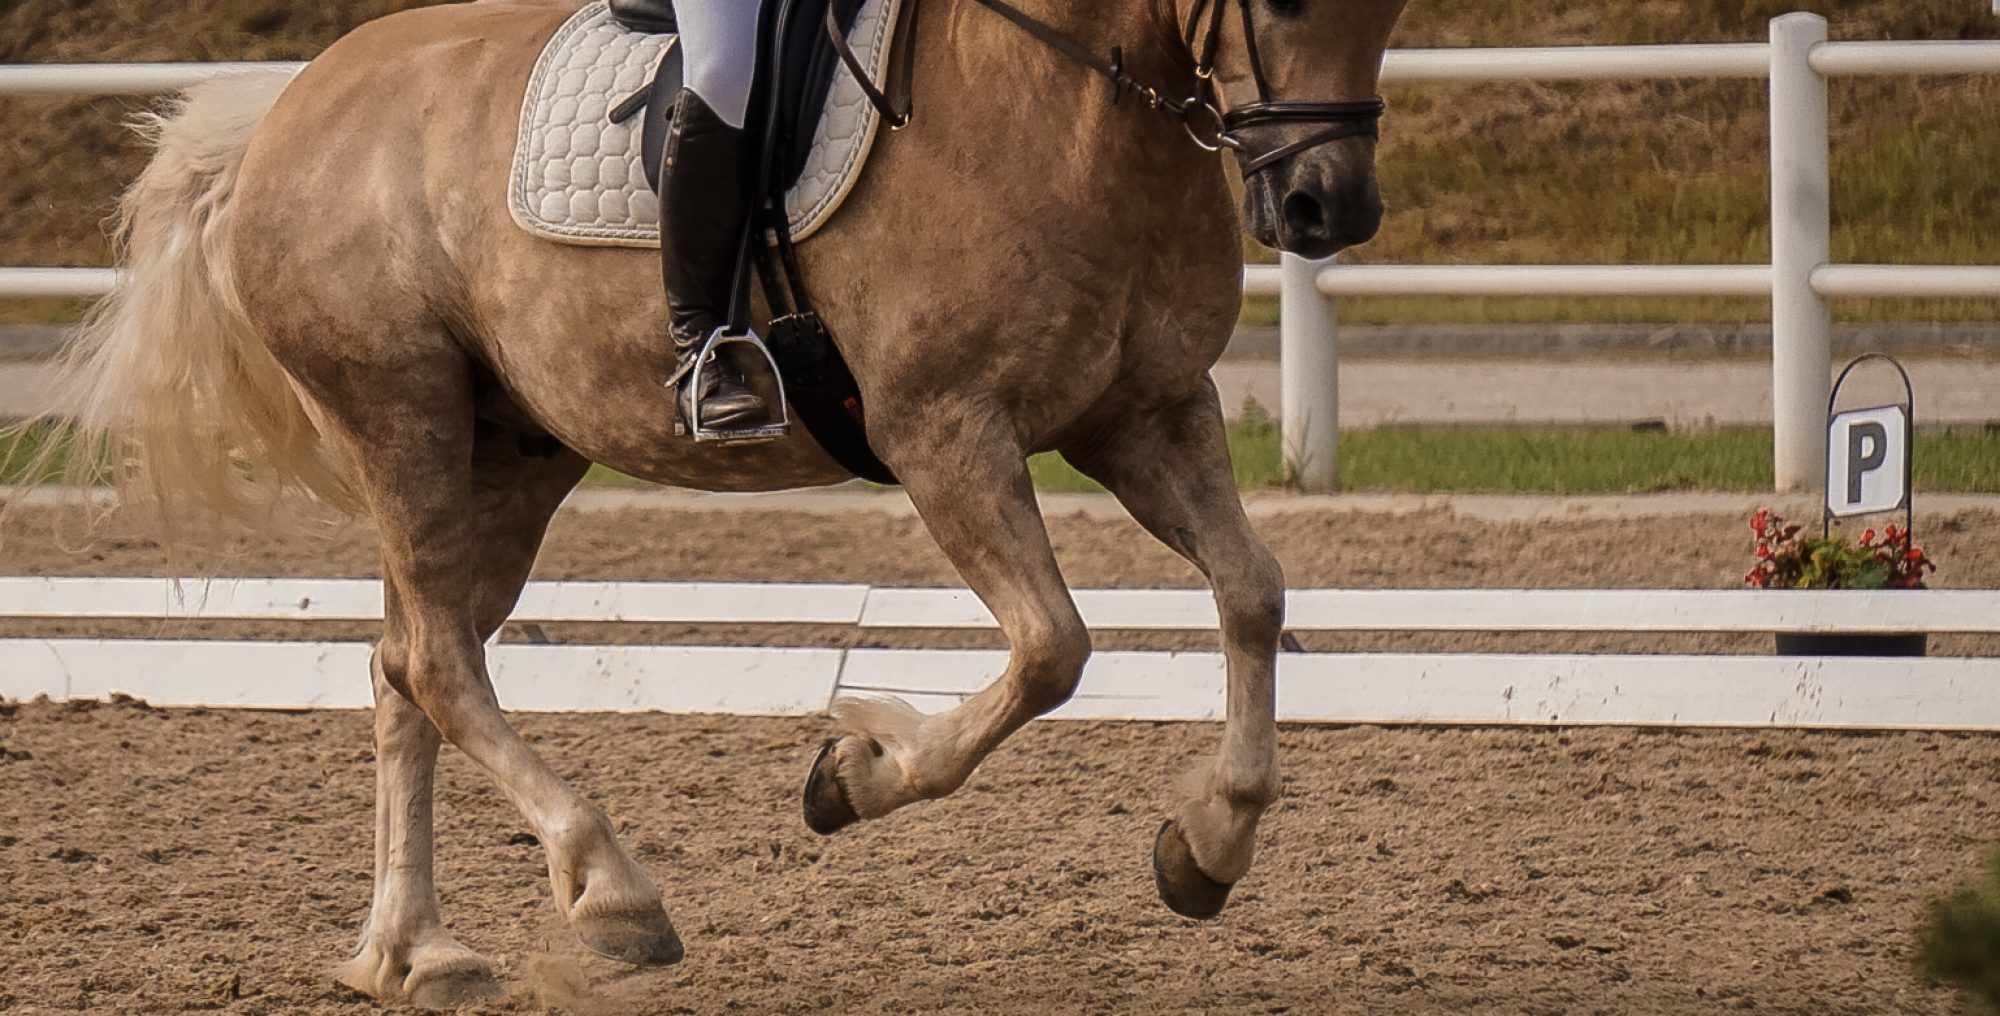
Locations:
{"points": [[1199, 113]]}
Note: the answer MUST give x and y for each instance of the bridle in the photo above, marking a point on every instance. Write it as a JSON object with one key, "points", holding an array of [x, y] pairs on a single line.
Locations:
{"points": [[1343, 119], [1199, 112]]}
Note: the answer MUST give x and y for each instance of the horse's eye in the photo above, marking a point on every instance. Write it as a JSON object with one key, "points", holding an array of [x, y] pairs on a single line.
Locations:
{"points": [[1287, 8]]}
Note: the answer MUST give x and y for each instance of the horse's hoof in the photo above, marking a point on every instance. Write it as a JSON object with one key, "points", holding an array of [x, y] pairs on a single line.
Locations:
{"points": [[455, 989], [643, 939], [436, 973], [827, 810], [1184, 887]]}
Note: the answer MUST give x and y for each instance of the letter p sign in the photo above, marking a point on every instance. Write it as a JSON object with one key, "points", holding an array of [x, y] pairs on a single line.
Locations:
{"points": [[1868, 461]]}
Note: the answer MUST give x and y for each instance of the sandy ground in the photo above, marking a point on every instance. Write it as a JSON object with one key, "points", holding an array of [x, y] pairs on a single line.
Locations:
{"points": [[156, 861]]}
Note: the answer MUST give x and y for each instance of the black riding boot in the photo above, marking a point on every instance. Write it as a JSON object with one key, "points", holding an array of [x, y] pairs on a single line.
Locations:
{"points": [[705, 202]]}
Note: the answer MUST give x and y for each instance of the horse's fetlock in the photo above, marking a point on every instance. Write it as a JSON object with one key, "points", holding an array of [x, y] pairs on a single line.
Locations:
{"points": [[575, 832], [1255, 790], [933, 785], [1256, 798]]}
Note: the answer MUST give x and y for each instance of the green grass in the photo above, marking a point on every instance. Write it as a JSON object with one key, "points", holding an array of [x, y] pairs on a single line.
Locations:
{"points": [[1563, 460], [1534, 460]]}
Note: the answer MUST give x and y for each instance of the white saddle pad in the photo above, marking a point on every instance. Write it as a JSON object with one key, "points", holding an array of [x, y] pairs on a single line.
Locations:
{"points": [[577, 176]]}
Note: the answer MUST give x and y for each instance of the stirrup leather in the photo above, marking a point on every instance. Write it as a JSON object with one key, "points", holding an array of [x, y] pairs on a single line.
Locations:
{"points": [[687, 378]]}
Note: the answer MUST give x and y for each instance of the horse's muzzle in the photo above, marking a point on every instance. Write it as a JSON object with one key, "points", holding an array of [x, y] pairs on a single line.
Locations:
{"points": [[1316, 204], [1309, 228]]}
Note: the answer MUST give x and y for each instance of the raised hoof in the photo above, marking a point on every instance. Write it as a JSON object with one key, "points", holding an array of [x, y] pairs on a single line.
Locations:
{"points": [[1184, 887], [827, 810], [645, 939], [450, 991]]}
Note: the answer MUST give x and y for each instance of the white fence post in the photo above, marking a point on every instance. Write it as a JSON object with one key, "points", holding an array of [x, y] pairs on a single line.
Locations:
{"points": [[1309, 363], [1801, 241]]}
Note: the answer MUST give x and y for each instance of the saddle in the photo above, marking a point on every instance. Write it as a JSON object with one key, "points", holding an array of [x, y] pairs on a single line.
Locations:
{"points": [[790, 98], [802, 52], [654, 17]]}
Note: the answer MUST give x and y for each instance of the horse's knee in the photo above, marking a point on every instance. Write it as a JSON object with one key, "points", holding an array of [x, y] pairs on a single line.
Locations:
{"points": [[1251, 596], [1050, 664]]}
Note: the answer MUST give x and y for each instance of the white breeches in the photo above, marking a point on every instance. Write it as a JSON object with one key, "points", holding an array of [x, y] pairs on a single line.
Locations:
{"points": [[719, 52]]}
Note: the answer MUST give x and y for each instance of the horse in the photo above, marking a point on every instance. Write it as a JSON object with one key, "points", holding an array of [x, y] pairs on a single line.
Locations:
{"points": [[324, 293]]}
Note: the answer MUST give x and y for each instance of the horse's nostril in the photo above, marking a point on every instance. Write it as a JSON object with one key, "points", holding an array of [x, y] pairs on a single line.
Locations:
{"points": [[1305, 214]]}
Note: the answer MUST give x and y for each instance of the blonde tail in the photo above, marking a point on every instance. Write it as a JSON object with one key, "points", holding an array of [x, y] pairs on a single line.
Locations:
{"points": [[168, 389]]}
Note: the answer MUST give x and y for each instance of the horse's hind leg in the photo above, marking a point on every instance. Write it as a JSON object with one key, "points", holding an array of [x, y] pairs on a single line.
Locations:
{"points": [[970, 483], [1170, 467], [405, 951], [445, 490]]}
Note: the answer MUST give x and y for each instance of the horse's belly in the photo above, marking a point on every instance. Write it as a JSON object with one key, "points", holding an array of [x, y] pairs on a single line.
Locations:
{"points": [[618, 414]]}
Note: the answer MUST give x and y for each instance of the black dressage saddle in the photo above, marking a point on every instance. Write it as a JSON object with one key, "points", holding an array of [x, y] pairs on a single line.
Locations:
{"points": [[800, 55], [654, 17]]}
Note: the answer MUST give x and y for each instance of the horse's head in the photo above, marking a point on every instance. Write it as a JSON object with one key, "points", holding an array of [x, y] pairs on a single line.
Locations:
{"points": [[1296, 81]]}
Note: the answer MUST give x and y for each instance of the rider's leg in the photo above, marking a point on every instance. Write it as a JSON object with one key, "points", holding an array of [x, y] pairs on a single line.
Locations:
{"points": [[719, 52], [705, 195]]}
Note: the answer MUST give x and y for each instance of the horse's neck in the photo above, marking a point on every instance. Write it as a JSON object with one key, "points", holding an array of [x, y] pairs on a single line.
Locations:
{"points": [[1002, 77], [1143, 30]]}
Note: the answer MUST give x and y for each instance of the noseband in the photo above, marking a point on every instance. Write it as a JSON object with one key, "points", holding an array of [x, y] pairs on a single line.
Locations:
{"points": [[1343, 119], [1199, 113]]}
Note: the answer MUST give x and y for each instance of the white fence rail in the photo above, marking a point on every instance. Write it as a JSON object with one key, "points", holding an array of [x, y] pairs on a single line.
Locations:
{"points": [[1799, 281], [1958, 611], [1331, 687]]}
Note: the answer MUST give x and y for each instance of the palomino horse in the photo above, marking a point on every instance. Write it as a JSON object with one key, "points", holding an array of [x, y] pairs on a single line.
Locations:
{"points": [[324, 291]]}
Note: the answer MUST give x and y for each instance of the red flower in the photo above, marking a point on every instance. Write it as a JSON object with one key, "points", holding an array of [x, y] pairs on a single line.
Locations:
{"points": [[1763, 551], [1914, 555], [1867, 537]]}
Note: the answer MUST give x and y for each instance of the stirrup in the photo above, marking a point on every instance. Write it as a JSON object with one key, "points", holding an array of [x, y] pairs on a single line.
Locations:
{"points": [[692, 376]]}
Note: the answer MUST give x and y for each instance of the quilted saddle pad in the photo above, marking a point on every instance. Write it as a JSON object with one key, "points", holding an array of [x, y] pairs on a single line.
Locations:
{"points": [[577, 177]]}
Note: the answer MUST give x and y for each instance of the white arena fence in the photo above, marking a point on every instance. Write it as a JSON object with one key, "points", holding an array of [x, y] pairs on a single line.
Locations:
{"points": [[1348, 687], [1800, 280]]}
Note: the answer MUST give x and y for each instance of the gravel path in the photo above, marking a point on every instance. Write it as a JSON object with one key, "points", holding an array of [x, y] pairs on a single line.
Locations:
{"points": [[1600, 390]]}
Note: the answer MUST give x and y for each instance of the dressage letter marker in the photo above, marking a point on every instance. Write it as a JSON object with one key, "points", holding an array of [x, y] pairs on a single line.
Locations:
{"points": [[1867, 461], [1868, 452]]}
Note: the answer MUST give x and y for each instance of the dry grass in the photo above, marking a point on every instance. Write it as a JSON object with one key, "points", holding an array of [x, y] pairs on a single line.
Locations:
{"points": [[1612, 172]]}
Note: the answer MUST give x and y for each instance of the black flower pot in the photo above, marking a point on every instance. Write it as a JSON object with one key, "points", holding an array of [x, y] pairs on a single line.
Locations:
{"points": [[1859, 644]]}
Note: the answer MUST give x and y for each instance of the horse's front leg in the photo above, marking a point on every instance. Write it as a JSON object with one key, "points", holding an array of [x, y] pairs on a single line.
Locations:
{"points": [[968, 477], [1170, 467]]}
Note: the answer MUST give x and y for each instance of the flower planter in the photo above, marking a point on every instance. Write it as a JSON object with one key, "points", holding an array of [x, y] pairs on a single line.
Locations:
{"points": [[1852, 644], [1787, 558]]}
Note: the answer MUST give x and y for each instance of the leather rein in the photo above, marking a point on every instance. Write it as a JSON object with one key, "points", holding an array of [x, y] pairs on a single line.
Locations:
{"points": [[1199, 113]]}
